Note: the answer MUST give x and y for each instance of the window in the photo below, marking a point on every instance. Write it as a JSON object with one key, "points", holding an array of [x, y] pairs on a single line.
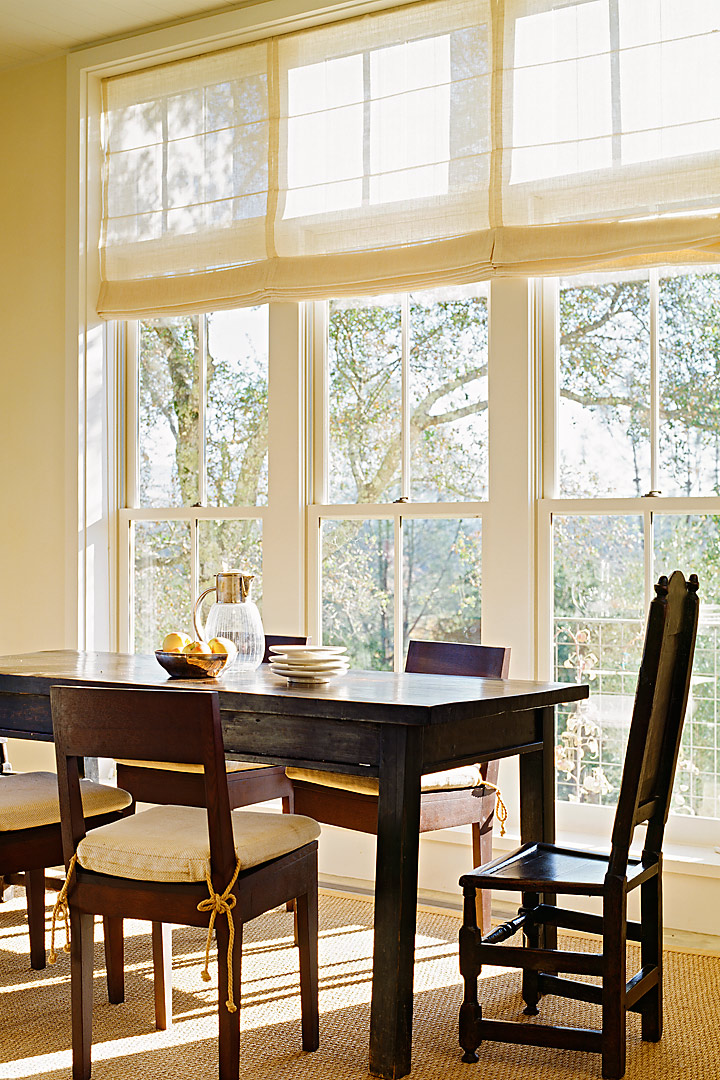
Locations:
{"points": [[636, 375], [198, 463], [404, 464], [396, 497]]}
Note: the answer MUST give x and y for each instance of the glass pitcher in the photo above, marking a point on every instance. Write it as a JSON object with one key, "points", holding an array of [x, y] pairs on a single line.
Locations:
{"points": [[234, 616]]}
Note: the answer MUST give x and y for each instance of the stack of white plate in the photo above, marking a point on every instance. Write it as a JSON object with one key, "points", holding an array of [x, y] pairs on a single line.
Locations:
{"points": [[305, 664]]}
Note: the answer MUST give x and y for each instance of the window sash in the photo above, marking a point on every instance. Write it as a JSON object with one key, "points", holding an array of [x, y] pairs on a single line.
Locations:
{"points": [[647, 508]]}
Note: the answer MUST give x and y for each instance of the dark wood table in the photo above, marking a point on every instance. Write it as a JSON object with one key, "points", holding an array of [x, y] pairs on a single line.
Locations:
{"points": [[392, 726]]}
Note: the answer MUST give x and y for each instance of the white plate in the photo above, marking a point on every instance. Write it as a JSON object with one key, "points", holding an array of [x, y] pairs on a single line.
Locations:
{"points": [[310, 662], [309, 649], [317, 665], [309, 673], [306, 680]]}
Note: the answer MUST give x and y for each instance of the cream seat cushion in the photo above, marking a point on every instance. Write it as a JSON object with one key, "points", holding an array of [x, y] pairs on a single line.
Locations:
{"points": [[177, 766], [28, 800], [469, 776], [170, 843]]}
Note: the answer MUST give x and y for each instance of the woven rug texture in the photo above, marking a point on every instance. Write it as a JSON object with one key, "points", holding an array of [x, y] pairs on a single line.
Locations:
{"points": [[35, 1009]]}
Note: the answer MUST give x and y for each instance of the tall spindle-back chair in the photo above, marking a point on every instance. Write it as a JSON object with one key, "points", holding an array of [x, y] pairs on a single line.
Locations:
{"points": [[541, 869]]}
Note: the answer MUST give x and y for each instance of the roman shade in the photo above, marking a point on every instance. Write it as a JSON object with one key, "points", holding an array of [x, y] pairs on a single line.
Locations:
{"points": [[446, 141]]}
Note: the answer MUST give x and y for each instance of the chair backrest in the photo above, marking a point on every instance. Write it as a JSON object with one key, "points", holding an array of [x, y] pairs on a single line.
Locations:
{"points": [[658, 714], [280, 639], [456, 658], [149, 725]]}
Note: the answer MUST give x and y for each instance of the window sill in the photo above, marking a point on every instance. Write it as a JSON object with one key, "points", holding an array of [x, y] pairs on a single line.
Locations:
{"points": [[693, 860]]}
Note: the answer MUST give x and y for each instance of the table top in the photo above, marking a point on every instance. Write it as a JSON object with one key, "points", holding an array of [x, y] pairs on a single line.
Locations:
{"points": [[380, 696]]}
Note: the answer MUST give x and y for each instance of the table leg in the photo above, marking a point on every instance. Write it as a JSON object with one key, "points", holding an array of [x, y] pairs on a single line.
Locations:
{"points": [[396, 874], [537, 799]]}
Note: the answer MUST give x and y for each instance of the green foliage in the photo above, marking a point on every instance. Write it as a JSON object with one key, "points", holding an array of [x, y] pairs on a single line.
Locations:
{"points": [[170, 443], [690, 383], [599, 576], [161, 582], [598, 564], [358, 600], [170, 404], [448, 438], [364, 391], [448, 399], [236, 430]]}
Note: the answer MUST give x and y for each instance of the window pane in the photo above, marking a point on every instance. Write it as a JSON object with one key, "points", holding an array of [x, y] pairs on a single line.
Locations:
{"points": [[690, 384], [364, 381], [598, 632], [604, 386], [230, 545], [236, 442], [691, 543], [162, 585], [169, 411], [448, 394], [441, 566], [358, 571]]}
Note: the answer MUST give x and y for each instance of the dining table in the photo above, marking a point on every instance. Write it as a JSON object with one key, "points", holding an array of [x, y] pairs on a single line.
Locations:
{"points": [[390, 725]]}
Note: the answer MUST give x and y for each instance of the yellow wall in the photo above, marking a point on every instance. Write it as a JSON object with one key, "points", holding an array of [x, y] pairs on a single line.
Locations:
{"points": [[32, 363]]}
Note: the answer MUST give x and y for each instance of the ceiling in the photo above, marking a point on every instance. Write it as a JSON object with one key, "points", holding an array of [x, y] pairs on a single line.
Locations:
{"points": [[32, 30]]}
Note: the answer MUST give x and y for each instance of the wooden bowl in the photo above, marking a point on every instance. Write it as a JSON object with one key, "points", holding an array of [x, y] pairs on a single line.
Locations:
{"points": [[192, 665]]}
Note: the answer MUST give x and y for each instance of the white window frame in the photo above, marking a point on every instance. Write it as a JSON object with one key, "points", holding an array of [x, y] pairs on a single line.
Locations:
{"points": [[397, 512], [511, 435], [282, 517], [579, 819]]}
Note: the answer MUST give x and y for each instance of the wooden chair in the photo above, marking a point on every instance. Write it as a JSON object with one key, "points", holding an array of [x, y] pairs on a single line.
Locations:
{"points": [[188, 865], [248, 783], [447, 799], [30, 841], [537, 869]]}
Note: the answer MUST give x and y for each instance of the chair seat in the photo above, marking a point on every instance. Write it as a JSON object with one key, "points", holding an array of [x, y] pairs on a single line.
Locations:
{"points": [[29, 800], [536, 866], [469, 776], [170, 843], [175, 766]]}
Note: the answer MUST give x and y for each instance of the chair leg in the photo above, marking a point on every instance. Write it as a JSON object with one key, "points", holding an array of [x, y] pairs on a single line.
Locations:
{"points": [[530, 979], [470, 1010], [482, 853], [288, 807], [35, 891], [229, 1022], [162, 973], [81, 990], [114, 958], [614, 1015], [306, 907], [651, 951]]}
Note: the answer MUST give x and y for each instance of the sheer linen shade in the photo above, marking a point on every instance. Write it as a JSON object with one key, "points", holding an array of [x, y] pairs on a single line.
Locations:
{"points": [[447, 141]]}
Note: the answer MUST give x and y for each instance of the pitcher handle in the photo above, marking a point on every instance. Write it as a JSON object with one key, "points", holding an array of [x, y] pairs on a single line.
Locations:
{"points": [[199, 628]]}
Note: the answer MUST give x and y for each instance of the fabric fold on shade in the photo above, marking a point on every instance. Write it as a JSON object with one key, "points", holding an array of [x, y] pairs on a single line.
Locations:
{"points": [[462, 259], [548, 250], [446, 141], [571, 248]]}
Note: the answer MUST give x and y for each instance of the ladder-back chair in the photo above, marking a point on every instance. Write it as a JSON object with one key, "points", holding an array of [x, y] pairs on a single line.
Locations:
{"points": [[196, 866], [465, 796]]}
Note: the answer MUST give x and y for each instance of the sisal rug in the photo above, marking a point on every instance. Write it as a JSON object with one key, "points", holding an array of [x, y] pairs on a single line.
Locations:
{"points": [[35, 1019]]}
